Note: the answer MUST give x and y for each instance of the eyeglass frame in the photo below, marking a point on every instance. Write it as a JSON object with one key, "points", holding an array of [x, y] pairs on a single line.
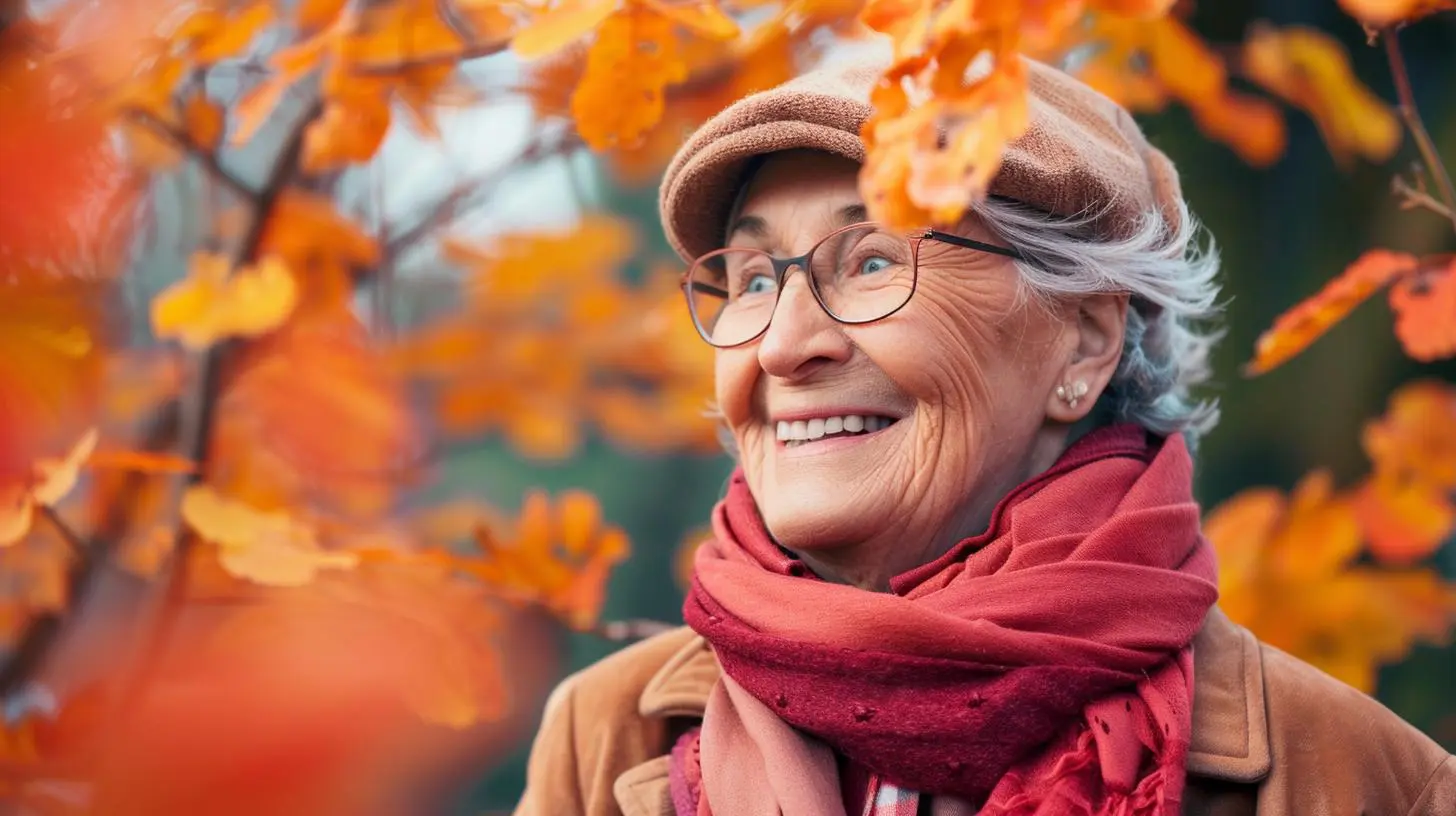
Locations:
{"points": [[781, 267]]}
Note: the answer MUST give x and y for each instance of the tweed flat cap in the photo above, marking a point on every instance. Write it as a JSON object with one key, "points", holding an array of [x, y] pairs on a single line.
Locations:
{"points": [[1082, 155]]}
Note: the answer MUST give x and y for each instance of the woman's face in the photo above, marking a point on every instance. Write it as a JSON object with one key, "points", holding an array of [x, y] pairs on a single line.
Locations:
{"points": [[956, 391]]}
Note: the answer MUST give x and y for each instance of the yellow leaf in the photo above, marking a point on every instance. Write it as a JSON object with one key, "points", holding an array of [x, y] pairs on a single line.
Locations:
{"points": [[210, 304], [204, 121], [267, 548], [553, 30], [1310, 70]]}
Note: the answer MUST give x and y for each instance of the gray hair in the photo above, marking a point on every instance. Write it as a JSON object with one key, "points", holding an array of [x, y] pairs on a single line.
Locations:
{"points": [[1174, 292]]}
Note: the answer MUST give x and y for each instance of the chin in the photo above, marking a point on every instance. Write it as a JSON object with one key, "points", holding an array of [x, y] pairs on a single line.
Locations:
{"points": [[817, 516]]}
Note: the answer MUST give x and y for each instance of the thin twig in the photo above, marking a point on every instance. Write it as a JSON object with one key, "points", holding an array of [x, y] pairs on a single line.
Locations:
{"points": [[1414, 197], [1412, 116], [208, 158], [449, 205]]}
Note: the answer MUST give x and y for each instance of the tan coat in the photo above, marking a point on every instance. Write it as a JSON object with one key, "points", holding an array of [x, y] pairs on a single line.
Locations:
{"points": [[1271, 736]]}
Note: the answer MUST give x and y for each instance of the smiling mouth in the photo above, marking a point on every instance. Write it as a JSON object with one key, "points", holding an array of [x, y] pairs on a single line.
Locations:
{"points": [[801, 432]]}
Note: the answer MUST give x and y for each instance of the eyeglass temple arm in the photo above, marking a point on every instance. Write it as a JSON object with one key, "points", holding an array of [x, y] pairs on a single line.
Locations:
{"points": [[705, 289], [971, 243]]}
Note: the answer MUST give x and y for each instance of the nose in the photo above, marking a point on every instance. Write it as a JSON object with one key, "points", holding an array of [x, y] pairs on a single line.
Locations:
{"points": [[801, 337]]}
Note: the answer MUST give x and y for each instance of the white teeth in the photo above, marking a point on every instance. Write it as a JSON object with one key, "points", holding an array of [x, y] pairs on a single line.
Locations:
{"points": [[809, 430]]}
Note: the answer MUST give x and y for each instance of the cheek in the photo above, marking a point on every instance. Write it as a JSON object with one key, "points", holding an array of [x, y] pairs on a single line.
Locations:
{"points": [[953, 341], [735, 376]]}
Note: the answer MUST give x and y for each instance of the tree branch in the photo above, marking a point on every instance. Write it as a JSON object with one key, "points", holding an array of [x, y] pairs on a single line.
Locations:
{"points": [[1416, 197], [1412, 116], [198, 420], [208, 158]]}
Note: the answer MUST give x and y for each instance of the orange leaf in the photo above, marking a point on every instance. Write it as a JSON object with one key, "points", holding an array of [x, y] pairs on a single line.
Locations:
{"points": [[1416, 438], [229, 38], [268, 548], [1382, 13], [257, 105], [703, 18], [204, 121], [210, 304], [315, 14], [305, 229], [1311, 71], [635, 57], [557, 28], [1425, 311], [1253, 127], [1297, 328], [17, 512], [1405, 520]]}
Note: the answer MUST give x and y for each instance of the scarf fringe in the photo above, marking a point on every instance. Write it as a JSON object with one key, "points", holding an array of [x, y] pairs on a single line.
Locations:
{"points": [[1069, 788]]}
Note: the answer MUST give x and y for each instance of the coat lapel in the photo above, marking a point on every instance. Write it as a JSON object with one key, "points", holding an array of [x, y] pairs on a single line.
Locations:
{"points": [[1230, 729]]}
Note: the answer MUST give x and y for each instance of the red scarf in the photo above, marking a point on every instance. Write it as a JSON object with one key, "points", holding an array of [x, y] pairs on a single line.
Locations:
{"points": [[1041, 667]]}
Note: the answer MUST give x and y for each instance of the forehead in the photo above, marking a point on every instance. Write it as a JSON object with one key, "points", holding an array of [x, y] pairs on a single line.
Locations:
{"points": [[798, 189]]}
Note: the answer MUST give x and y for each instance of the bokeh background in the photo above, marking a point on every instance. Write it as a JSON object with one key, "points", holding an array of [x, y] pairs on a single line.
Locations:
{"points": [[1283, 231]]}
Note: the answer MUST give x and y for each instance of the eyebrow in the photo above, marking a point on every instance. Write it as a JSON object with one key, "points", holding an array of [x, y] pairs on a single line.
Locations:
{"points": [[756, 227]]}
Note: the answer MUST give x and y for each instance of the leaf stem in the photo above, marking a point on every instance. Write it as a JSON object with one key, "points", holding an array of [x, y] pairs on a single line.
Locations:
{"points": [[1413, 122], [1416, 197]]}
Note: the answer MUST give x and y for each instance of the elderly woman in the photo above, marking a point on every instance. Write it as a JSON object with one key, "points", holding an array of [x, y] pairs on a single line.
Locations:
{"points": [[959, 567]]}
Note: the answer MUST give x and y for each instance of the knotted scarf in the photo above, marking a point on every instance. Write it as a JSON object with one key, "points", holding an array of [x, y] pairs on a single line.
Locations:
{"points": [[1042, 667]]}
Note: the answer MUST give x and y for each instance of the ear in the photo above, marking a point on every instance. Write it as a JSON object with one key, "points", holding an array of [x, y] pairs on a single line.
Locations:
{"points": [[1099, 328]]}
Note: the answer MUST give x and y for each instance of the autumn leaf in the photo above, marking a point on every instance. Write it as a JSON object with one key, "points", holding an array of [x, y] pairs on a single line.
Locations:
{"points": [[1405, 505], [561, 25], [312, 413], [212, 35], [1286, 571], [215, 302], [204, 121], [1310, 70], [558, 556], [634, 59], [1406, 519], [1425, 310], [273, 549], [1297, 328]]}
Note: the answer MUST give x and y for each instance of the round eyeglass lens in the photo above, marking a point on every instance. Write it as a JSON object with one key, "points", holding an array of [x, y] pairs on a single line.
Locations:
{"points": [[860, 274]]}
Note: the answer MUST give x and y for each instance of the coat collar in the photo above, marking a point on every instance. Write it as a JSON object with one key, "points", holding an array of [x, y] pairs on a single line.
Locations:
{"points": [[1230, 728]]}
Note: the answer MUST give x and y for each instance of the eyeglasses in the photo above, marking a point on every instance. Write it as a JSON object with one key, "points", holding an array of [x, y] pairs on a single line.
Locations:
{"points": [[859, 274]]}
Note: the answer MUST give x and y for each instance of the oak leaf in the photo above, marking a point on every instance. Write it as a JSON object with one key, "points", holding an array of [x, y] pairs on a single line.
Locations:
{"points": [[634, 59], [1310, 70], [1297, 328], [273, 549], [214, 302]]}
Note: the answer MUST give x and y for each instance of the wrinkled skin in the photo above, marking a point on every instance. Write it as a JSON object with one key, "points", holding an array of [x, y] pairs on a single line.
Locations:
{"points": [[969, 367]]}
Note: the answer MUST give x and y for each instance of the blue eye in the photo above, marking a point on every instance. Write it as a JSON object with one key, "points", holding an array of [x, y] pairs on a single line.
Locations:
{"points": [[759, 284], [874, 264]]}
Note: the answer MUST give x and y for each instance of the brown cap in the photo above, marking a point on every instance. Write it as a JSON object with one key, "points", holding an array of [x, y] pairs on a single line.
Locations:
{"points": [[1082, 155]]}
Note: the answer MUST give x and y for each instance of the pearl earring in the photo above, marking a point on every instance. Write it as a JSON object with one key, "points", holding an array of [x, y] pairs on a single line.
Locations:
{"points": [[1072, 395]]}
